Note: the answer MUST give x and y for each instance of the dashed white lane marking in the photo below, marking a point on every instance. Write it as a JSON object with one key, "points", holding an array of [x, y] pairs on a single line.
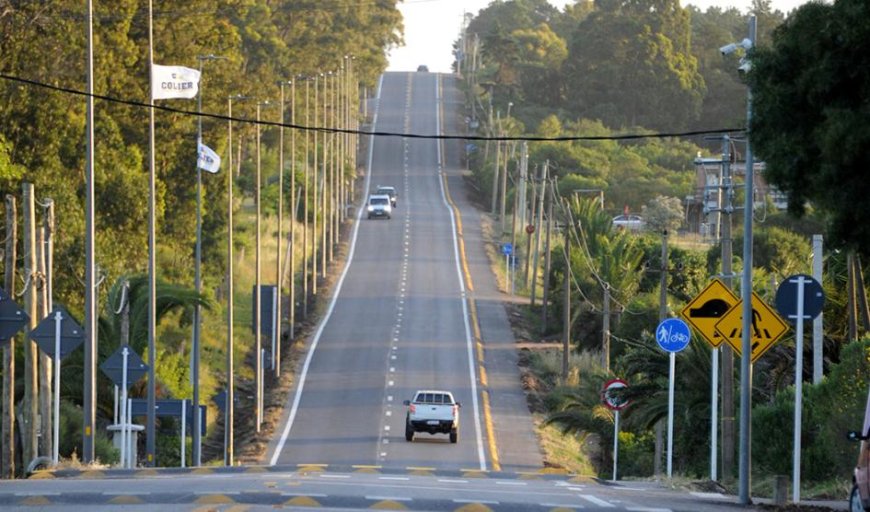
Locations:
{"points": [[510, 483], [398, 478], [647, 509], [387, 498], [390, 383], [482, 502], [387, 428], [327, 475], [449, 481], [389, 413], [597, 501]]}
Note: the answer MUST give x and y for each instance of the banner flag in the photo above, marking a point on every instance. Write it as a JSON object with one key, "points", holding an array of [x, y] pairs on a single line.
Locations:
{"points": [[169, 82], [208, 160]]}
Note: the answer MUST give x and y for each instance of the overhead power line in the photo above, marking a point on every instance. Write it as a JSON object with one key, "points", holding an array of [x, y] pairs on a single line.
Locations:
{"points": [[322, 129]]}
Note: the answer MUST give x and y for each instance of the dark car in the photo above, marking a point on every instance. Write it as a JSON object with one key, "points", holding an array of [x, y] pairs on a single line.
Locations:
{"points": [[388, 191], [423, 68]]}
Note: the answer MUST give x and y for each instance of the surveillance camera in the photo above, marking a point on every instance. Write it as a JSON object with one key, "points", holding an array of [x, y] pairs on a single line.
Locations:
{"points": [[728, 49], [744, 67]]}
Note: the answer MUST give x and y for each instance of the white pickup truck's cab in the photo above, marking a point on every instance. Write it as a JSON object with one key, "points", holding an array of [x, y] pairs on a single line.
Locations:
{"points": [[432, 411]]}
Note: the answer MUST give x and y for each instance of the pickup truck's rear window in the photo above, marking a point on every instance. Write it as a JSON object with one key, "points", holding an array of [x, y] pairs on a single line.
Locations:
{"points": [[433, 398]]}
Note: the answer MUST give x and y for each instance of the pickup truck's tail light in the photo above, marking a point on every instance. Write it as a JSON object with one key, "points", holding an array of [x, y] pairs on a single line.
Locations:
{"points": [[413, 408], [455, 411]]}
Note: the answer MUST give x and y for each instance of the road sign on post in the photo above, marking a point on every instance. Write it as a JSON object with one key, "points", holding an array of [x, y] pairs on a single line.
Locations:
{"points": [[799, 298], [673, 335], [57, 335], [767, 327], [12, 318], [54, 341], [707, 308], [813, 297], [612, 400]]}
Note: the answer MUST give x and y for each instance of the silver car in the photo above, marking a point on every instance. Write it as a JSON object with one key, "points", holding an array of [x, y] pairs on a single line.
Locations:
{"points": [[379, 206]]}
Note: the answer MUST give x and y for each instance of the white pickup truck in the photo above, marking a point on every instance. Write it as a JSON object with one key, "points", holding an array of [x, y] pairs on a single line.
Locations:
{"points": [[435, 412]]}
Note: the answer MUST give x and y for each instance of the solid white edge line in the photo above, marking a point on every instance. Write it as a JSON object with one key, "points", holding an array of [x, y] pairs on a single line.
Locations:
{"points": [[296, 399], [469, 342]]}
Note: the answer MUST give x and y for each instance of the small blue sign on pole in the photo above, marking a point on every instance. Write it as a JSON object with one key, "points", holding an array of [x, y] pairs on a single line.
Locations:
{"points": [[507, 248], [673, 335]]}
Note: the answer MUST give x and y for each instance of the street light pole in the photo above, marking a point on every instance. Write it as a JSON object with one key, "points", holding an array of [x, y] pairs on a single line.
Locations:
{"points": [[279, 281], [257, 295], [197, 310], [746, 292]]}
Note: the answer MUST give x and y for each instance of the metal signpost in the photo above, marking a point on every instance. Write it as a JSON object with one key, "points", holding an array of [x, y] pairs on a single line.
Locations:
{"points": [[702, 313], [124, 367], [615, 403], [672, 335], [507, 249], [57, 335], [799, 298]]}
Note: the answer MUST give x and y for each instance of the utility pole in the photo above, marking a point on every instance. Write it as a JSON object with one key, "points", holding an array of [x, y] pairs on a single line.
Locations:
{"points": [[45, 362], [293, 203], [728, 433], [305, 211], [7, 443], [497, 165], [538, 224], [546, 298], [316, 203], [566, 307], [531, 207], [30, 432]]}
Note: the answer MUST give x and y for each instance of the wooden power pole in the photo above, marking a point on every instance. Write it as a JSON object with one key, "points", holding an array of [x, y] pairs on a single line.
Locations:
{"points": [[7, 460], [30, 412]]}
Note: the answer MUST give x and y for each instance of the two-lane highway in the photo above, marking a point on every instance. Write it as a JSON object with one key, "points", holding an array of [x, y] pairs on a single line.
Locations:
{"points": [[399, 319]]}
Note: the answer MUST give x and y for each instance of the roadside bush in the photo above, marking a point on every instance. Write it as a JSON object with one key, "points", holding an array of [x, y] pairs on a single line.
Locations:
{"points": [[830, 409]]}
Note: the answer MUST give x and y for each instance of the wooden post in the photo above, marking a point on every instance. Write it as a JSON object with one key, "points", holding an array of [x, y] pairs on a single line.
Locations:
{"points": [[45, 361], [566, 315], [7, 461], [30, 413]]}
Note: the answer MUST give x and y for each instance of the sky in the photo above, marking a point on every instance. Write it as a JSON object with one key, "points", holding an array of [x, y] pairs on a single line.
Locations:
{"points": [[431, 26]]}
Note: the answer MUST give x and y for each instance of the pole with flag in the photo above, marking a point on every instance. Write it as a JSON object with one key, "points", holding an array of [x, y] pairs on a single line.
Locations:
{"points": [[167, 82]]}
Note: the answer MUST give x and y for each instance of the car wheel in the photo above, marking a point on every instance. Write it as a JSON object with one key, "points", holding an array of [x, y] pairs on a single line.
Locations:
{"points": [[454, 435], [855, 504], [409, 432]]}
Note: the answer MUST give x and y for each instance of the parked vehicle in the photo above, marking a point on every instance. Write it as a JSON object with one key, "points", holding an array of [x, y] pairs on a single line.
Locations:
{"points": [[379, 206], [629, 222], [432, 411], [859, 498]]}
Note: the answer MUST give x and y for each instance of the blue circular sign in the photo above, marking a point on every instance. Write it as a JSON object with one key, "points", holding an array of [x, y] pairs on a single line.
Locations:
{"points": [[673, 335], [787, 297]]}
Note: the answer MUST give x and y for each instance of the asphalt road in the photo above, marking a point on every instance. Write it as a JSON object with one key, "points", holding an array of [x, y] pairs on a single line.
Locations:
{"points": [[399, 319]]}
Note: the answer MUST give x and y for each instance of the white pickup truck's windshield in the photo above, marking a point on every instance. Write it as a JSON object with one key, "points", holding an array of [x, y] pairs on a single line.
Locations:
{"points": [[379, 200]]}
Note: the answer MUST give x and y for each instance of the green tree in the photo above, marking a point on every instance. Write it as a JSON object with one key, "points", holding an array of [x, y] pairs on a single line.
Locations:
{"points": [[630, 64], [810, 115], [663, 214]]}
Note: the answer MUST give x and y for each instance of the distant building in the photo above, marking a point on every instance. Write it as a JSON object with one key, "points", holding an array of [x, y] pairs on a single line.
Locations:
{"points": [[704, 209]]}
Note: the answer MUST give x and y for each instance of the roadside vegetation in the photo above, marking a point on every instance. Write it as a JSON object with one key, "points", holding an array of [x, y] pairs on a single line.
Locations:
{"points": [[590, 75]]}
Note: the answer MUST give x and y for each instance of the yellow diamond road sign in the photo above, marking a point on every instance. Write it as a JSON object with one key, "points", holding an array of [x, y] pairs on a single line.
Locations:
{"points": [[767, 327], [707, 308]]}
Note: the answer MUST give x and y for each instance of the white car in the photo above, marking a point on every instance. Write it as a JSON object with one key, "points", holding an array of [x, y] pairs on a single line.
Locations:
{"points": [[432, 411], [629, 222], [379, 206]]}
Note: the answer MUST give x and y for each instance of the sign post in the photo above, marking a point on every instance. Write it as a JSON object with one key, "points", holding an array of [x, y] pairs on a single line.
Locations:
{"points": [[799, 298], [124, 368], [57, 335], [507, 249], [615, 403], [702, 313], [672, 335]]}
